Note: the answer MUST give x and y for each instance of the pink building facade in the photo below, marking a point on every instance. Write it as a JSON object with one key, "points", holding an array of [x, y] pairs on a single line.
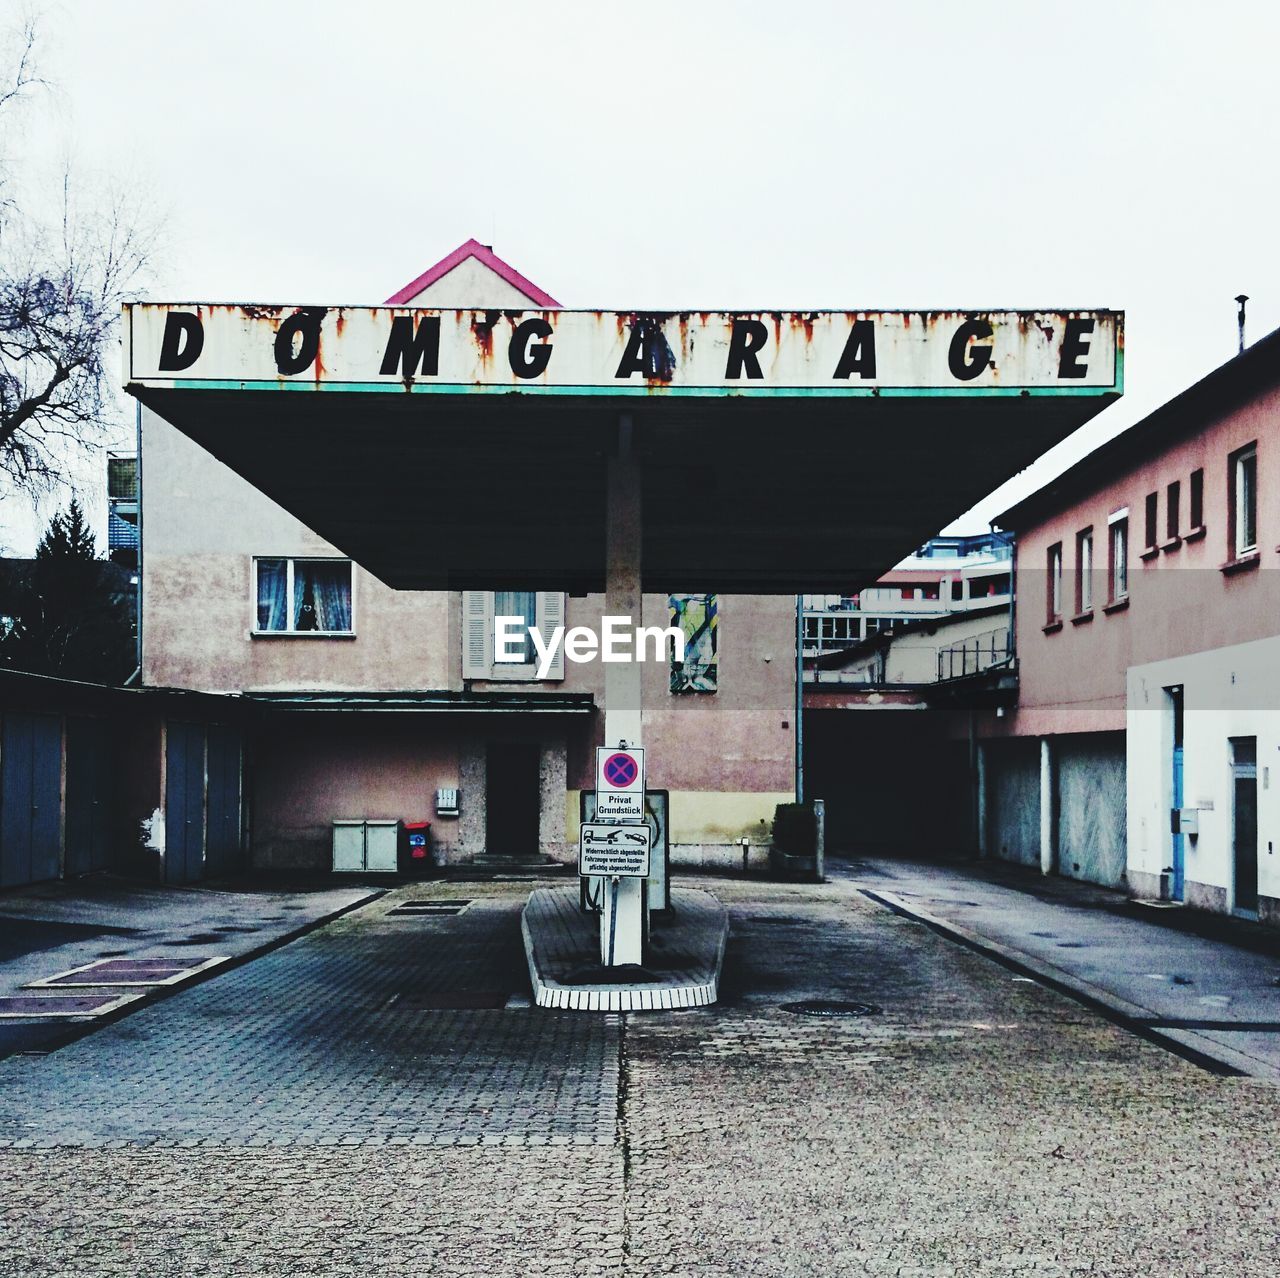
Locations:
{"points": [[1141, 746]]}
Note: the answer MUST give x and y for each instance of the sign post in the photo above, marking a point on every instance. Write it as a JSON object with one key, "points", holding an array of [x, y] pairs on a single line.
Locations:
{"points": [[620, 764]]}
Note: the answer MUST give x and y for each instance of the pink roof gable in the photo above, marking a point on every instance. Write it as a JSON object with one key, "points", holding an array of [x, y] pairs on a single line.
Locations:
{"points": [[483, 254]]}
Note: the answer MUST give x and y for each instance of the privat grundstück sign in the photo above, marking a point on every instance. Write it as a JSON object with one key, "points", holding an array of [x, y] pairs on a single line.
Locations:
{"points": [[710, 353]]}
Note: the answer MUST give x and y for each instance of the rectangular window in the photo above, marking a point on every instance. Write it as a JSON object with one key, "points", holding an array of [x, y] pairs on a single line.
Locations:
{"points": [[522, 604], [1055, 583], [1172, 512], [1243, 498], [543, 609], [1084, 570], [1153, 515], [302, 596], [1197, 499], [1118, 576]]}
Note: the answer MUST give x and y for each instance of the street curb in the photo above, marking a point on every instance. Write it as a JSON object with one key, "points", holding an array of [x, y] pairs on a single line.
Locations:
{"points": [[158, 994], [1195, 1048]]}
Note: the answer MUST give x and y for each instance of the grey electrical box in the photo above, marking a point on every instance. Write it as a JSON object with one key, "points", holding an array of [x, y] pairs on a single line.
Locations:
{"points": [[365, 847]]}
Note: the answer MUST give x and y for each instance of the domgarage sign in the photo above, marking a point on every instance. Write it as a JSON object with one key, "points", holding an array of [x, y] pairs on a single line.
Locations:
{"points": [[624, 352]]}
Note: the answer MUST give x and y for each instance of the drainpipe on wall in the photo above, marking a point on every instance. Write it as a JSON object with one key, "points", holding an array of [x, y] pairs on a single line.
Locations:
{"points": [[137, 674], [799, 698], [980, 798]]}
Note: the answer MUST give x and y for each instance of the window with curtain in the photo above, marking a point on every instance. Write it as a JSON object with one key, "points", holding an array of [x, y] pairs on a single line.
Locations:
{"points": [[523, 604], [1243, 501], [303, 596]]}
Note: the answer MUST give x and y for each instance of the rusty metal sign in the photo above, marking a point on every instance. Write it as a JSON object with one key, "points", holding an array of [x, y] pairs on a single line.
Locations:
{"points": [[827, 353]]}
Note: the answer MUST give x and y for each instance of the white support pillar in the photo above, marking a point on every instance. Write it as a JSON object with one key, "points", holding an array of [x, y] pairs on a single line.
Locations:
{"points": [[1046, 806], [622, 926]]}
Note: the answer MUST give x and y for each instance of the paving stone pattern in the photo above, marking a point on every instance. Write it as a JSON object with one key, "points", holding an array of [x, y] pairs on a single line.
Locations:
{"points": [[978, 1125], [332, 1040]]}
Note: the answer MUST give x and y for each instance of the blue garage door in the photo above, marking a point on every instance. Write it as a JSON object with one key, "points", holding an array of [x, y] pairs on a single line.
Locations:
{"points": [[89, 794], [184, 803], [30, 798], [224, 801]]}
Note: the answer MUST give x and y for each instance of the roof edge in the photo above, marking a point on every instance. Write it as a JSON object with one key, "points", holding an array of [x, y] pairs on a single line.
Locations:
{"points": [[1253, 369]]}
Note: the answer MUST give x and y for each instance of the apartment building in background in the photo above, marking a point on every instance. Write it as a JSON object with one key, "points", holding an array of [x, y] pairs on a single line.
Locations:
{"points": [[1146, 732]]}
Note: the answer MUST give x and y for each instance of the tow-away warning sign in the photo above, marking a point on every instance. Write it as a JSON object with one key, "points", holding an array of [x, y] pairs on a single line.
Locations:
{"points": [[615, 850]]}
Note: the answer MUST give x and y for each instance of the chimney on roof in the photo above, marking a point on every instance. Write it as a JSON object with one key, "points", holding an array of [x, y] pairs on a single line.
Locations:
{"points": [[1241, 299]]}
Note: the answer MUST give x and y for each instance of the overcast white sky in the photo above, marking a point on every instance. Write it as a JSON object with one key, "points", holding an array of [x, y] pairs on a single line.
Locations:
{"points": [[926, 153]]}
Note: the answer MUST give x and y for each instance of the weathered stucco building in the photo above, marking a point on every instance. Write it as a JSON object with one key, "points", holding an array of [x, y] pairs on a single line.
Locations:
{"points": [[378, 704]]}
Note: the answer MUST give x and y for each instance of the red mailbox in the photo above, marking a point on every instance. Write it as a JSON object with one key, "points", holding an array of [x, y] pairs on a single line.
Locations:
{"points": [[415, 848]]}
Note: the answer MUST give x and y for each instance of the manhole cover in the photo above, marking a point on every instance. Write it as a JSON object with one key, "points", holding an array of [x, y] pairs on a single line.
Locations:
{"points": [[830, 1007]]}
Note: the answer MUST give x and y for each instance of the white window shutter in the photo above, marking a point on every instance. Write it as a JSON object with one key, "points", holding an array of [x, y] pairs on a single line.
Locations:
{"points": [[477, 654], [551, 615]]}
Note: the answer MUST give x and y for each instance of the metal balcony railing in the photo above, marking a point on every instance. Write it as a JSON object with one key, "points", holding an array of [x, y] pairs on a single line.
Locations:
{"points": [[973, 655]]}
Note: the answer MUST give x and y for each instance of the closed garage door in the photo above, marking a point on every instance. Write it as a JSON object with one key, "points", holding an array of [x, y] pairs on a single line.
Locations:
{"points": [[224, 801], [30, 798], [89, 794], [184, 803]]}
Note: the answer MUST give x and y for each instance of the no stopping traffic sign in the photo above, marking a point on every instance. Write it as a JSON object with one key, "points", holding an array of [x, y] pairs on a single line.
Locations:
{"points": [[619, 784]]}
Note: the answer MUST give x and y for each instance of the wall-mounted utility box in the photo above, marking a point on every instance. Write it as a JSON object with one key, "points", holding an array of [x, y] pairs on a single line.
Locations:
{"points": [[365, 847], [447, 802], [1185, 820]]}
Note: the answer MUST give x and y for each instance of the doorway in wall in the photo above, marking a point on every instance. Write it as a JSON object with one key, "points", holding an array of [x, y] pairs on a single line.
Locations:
{"points": [[1244, 823], [1177, 852], [511, 800]]}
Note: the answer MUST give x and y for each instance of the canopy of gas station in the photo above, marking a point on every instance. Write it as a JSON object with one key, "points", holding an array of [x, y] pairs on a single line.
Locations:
{"points": [[779, 451]]}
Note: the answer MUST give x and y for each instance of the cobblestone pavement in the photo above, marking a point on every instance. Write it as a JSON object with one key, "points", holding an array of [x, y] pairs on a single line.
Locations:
{"points": [[977, 1124], [53, 927]]}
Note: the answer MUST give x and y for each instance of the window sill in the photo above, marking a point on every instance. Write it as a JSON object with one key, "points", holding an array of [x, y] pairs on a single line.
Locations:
{"points": [[1243, 564], [1052, 627], [1150, 553], [1172, 544], [1196, 533], [1081, 618], [302, 634], [1116, 605]]}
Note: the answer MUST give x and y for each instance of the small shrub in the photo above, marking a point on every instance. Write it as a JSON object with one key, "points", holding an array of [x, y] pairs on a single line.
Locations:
{"points": [[795, 829]]}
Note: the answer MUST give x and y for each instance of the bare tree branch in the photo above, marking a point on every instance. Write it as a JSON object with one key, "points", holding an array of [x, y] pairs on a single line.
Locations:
{"points": [[61, 291], [23, 74]]}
